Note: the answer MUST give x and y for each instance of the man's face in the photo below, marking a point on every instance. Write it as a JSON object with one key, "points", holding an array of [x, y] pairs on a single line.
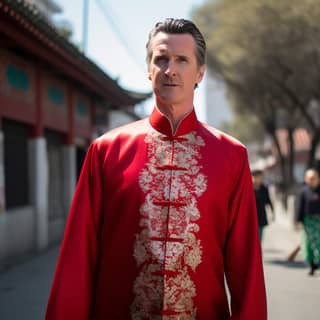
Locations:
{"points": [[312, 179], [173, 68], [257, 180]]}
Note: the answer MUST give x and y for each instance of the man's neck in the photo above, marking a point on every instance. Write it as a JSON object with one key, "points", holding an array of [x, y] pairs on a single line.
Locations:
{"points": [[175, 114]]}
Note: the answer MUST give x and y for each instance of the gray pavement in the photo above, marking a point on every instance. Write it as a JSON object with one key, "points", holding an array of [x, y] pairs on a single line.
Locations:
{"points": [[292, 295], [24, 288]]}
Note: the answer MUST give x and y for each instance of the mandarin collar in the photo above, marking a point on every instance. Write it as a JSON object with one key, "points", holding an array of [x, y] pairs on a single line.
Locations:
{"points": [[162, 124]]}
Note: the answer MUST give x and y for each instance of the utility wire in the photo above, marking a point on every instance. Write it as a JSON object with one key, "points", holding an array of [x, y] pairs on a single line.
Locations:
{"points": [[108, 15]]}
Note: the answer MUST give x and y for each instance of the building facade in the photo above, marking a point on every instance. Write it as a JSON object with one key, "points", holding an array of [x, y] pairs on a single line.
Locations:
{"points": [[52, 102]]}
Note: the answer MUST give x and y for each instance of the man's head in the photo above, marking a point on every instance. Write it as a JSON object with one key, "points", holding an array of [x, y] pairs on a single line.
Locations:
{"points": [[176, 57], [311, 178], [257, 177], [179, 26]]}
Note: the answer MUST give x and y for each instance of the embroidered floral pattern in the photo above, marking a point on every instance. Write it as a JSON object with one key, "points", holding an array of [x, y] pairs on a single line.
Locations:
{"points": [[167, 250]]}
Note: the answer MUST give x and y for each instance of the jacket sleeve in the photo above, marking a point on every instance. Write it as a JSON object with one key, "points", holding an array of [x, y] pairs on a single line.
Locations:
{"points": [[300, 214], [243, 260], [268, 200], [73, 285]]}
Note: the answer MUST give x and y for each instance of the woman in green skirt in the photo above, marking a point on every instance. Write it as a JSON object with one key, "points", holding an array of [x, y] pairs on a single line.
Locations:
{"points": [[309, 215]]}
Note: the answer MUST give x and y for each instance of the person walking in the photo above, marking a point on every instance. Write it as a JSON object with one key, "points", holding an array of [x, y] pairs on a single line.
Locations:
{"points": [[309, 215], [262, 199]]}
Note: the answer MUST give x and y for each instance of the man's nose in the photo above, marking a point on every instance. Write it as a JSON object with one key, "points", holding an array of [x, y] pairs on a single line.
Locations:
{"points": [[170, 68]]}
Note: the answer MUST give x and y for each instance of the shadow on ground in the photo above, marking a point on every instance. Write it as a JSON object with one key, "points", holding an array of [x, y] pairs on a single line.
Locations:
{"points": [[272, 251], [285, 263]]}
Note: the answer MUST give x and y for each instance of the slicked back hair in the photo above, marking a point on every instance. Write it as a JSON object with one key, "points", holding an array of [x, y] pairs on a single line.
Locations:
{"points": [[179, 26]]}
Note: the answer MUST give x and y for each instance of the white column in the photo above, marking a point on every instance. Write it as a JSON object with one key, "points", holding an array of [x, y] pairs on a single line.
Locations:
{"points": [[38, 170], [69, 175], [2, 185]]}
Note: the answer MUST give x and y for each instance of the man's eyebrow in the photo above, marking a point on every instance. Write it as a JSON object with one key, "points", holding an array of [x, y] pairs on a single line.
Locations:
{"points": [[182, 56], [161, 51]]}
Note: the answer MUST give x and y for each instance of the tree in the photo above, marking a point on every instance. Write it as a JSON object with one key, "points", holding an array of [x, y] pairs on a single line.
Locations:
{"points": [[64, 27], [268, 55], [245, 127]]}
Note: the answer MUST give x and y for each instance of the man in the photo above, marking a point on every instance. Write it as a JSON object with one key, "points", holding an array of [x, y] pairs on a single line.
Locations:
{"points": [[309, 214], [163, 209], [262, 199]]}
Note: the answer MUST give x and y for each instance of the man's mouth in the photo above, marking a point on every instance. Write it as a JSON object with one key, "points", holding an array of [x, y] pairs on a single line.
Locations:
{"points": [[170, 85]]}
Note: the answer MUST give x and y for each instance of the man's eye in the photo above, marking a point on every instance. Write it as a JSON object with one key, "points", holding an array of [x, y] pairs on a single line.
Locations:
{"points": [[161, 59], [182, 59]]}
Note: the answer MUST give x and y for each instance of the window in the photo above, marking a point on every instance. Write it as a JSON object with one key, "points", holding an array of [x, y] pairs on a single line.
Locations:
{"points": [[16, 164]]}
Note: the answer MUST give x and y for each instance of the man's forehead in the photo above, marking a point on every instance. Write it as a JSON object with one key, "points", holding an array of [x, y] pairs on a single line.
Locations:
{"points": [[162, 41], [311, 174]]}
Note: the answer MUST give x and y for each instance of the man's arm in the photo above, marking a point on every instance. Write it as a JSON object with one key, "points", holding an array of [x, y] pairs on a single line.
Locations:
{"points": [[268, 200], [301, 207], [73, 285], [243, 261], [269, 203]]}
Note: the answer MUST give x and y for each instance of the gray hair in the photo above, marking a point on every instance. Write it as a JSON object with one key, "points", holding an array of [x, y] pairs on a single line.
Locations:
{"points": [[179, 26]]}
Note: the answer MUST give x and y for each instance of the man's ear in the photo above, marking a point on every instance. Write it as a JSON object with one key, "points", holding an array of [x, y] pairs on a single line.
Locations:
{"points": [[201, 72], [149, 75]]}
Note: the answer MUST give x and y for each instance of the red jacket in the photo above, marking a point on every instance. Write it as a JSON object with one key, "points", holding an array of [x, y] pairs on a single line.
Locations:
{"points": [[156, 222]]}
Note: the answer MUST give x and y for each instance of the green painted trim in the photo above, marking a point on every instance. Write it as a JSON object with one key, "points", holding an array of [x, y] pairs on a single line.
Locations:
{"points": [[55, 95], [81, 108], [17, 78]]}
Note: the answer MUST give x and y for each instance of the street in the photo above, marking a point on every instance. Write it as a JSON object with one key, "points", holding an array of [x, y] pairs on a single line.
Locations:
{"points": [[292, 294]]}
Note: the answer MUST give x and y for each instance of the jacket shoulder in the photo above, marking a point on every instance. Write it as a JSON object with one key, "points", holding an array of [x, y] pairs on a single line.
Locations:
{"points": [[223, 139], [232, 151]]}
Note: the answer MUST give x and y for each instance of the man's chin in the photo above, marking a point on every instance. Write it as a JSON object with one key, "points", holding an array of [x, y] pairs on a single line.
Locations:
{"points": [[168, 99], [168, 103]]}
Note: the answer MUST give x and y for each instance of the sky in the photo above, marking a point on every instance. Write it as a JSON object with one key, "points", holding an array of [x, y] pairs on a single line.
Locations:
{"points": [[123, 57]]}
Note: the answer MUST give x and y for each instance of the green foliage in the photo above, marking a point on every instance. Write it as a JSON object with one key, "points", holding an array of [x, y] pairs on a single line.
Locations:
{"points": [[65, 32], [267, 53], [245, 127]]}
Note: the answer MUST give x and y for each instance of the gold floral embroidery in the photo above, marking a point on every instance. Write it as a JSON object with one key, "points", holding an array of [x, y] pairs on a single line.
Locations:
{"points": [[192, 255], [167, 250]]}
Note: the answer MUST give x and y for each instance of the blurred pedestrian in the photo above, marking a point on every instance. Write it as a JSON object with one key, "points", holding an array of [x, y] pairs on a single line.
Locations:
{"points": [[309, 215], [164, 210], [262, 200]]}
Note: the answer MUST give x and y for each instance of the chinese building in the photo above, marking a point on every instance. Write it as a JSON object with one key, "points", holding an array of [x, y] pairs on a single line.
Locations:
{"points": [[52, 101]]}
